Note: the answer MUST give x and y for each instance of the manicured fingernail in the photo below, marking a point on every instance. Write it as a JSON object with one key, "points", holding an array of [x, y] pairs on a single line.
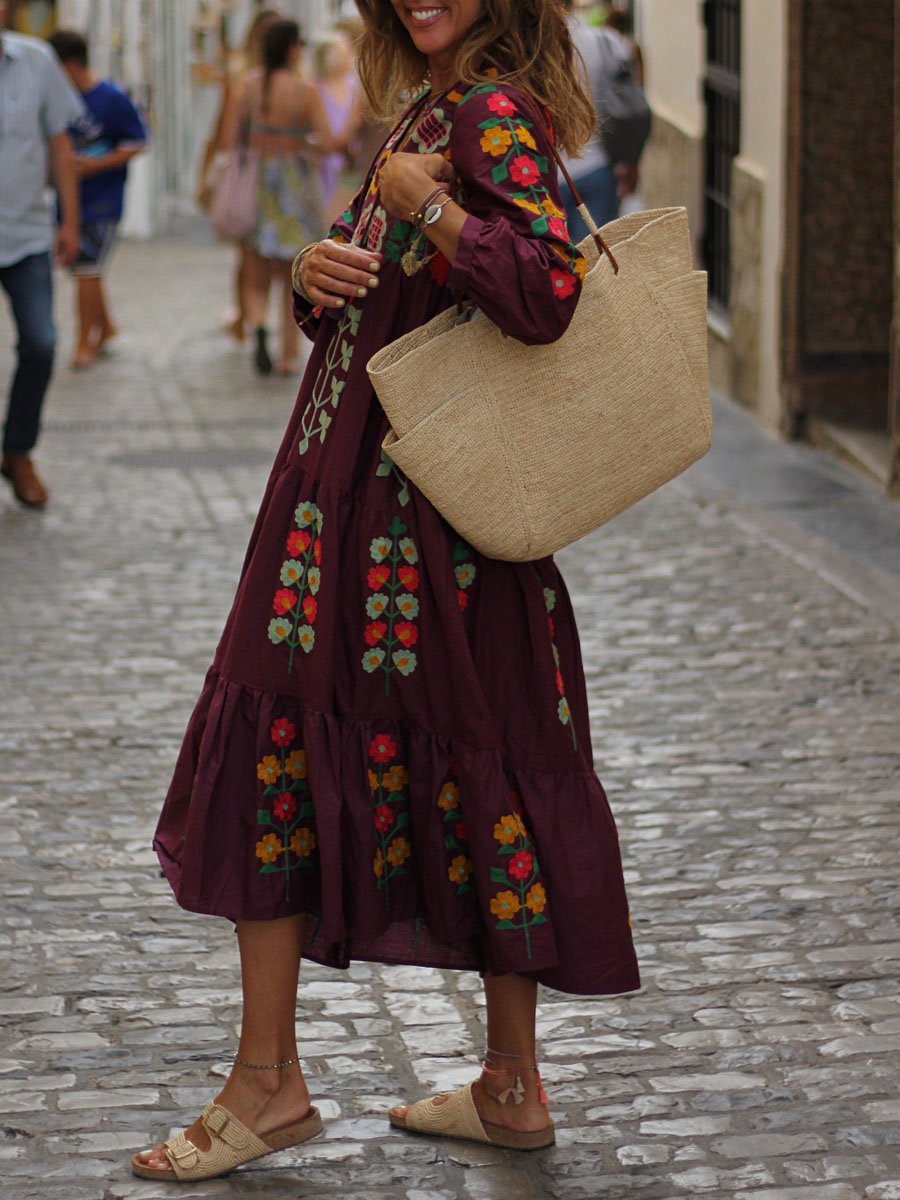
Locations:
{"points": [[362, 292], [373, 282], [374, 266], [339, 304]]}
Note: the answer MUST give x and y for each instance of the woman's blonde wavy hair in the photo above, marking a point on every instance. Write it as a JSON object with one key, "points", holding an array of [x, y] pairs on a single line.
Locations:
{"points": [[522, 42]]}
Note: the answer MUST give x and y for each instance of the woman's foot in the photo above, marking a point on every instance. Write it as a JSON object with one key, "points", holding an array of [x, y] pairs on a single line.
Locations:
{"points": [[84, 357], [287, 367], [264, 1101], [529, 1115], [107, 333], [261, 359]]}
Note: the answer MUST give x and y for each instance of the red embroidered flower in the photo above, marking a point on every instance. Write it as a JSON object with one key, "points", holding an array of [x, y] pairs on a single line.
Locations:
{"points": [[524, 170], [317, 550], [384, 818], [378, 577], [501, 105], [406, 632], [375, 631], [462, 600], [285, 806], [563, 283], [461, 835], [409, 577], [297, 542], [520, 864], [551, 627], [439, 268], [284, 601], [382, 748], [560, 686], [310, 608], [559, 229], [282, 732]]}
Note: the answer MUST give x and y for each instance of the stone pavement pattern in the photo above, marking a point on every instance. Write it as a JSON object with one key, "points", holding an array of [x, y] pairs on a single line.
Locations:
{"points": [[744, 708]]}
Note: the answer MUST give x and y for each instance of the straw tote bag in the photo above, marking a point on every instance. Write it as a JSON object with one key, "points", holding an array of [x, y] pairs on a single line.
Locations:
{"points": [[523, 449]]}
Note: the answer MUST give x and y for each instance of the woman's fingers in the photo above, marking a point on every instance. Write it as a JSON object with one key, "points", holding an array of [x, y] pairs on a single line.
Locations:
{"points": [[334, 272]]}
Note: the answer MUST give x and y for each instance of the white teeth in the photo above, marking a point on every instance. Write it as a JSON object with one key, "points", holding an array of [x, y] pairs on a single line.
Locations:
{"points": [[425, 14]]}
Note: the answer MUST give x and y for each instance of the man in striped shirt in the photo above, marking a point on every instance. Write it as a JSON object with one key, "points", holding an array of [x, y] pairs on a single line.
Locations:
{"points": [[37, 104]]}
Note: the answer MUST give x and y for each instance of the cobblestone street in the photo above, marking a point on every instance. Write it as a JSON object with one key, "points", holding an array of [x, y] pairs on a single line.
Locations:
{"points": [[742, 646]]}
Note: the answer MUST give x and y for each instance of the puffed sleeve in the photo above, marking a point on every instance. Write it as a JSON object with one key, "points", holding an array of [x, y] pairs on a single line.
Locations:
{"points": [[515, 258], [306, 316]]}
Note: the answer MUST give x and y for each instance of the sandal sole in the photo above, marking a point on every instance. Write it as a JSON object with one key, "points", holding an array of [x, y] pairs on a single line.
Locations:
{"points": [[506, 1139]]}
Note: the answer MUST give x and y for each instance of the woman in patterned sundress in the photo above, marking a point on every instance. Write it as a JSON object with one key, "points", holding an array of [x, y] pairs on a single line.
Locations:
{"points": [[390, 759]]}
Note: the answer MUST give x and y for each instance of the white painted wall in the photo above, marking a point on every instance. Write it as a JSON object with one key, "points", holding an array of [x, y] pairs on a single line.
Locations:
{"points": [[671, 36]]}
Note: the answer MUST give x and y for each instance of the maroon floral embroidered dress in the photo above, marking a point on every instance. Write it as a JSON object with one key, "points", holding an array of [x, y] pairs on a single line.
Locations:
{"points": [[393, 736]]}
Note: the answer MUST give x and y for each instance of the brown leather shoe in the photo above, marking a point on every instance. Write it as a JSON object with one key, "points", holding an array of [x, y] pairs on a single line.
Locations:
{"points": [[26, 483]]}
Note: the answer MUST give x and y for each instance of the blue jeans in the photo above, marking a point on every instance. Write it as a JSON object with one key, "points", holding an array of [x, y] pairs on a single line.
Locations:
{"points": [[29, 286], [599, 192]]}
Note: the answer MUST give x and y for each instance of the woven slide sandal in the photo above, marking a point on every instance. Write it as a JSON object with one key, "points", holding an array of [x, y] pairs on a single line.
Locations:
{"points": [[457, 1117], [232, 1144]]}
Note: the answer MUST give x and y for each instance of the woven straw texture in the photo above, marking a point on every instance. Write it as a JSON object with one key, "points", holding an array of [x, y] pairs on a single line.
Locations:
{"points": [[524, 449]]}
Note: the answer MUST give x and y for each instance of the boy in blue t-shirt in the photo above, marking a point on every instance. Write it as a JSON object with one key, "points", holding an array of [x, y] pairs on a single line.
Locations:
{"points": [[104, 141]]}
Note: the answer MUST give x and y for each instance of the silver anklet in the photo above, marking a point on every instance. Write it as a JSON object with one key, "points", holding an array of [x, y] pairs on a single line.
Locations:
{"points": [[288, 1062]]}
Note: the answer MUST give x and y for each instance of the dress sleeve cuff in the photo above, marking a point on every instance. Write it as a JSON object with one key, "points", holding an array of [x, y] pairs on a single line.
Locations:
{"points": [[461, 267]]}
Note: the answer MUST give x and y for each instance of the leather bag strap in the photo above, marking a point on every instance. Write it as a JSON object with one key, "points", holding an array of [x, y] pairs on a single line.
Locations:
{"points": [[583, 209]]}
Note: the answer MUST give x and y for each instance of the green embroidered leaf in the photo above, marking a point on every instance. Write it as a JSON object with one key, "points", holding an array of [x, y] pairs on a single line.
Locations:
{"points": [[542, 163], [452, 815], [304, 446], [396, 527], [489, 124], [353, 316], [498, 875], [538, 919], [500, 173], [539, 225], [402, 821], [403, 494], [464, 888], [268, 869], [384, 468], [262, 817], [450, 843], [346, 355], [392, 251], [504, 924], [305, 810], [507, 850]]}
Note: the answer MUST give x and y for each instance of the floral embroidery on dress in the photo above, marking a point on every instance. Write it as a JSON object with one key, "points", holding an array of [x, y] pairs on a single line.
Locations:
{"points": [[464, 572], [521, 904], [388, 467], [393, 606], [388, 781], [562, 709], [295, 603], [330, 381], [283, 776], [456, 841], [507, 137]]}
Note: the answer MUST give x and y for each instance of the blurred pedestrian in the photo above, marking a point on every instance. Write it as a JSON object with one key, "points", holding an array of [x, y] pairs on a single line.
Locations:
{"points": [[105, 141], [620, 24], [390, 760], [241, 64], [283, 119], [37, 104], [336, 82]]}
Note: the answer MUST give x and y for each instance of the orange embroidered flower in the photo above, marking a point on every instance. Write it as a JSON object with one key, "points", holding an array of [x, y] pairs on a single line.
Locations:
{"points": [[269, 848], [529, 206], [295, 764], [378, 864], [269, 770], [508, 829], [536, 899], [448, 799], [505, 905], [454, 97], [398, 852], [520, 825], [460, 869], [496, 141], [523, 135], [580, 267], [551, 209], [373, 781], [303, 842], [395, 778]]}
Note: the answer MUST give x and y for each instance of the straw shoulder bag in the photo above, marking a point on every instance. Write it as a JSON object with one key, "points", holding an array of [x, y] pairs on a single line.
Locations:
{"points": [[523, 449]]}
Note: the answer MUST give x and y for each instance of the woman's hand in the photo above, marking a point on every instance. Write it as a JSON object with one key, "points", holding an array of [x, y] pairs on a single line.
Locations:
{"points": [[408, 178], [333, 271]]}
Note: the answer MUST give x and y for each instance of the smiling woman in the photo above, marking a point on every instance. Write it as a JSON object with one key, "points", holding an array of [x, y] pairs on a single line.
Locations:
{"points": [[390, 760]]}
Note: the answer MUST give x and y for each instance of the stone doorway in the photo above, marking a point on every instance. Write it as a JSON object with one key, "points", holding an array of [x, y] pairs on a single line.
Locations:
{"points": [[840, 323]]}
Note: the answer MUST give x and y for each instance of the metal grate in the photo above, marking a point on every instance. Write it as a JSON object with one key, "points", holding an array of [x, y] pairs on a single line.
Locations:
{"points": [[722, 95]]}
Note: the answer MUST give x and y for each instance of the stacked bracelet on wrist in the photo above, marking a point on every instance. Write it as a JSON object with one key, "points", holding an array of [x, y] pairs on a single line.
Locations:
{"points": [[436, 198], [297, 276]]}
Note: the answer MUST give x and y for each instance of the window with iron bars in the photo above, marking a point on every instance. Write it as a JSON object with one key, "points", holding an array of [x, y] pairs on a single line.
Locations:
{"points": [[722, 97]]}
